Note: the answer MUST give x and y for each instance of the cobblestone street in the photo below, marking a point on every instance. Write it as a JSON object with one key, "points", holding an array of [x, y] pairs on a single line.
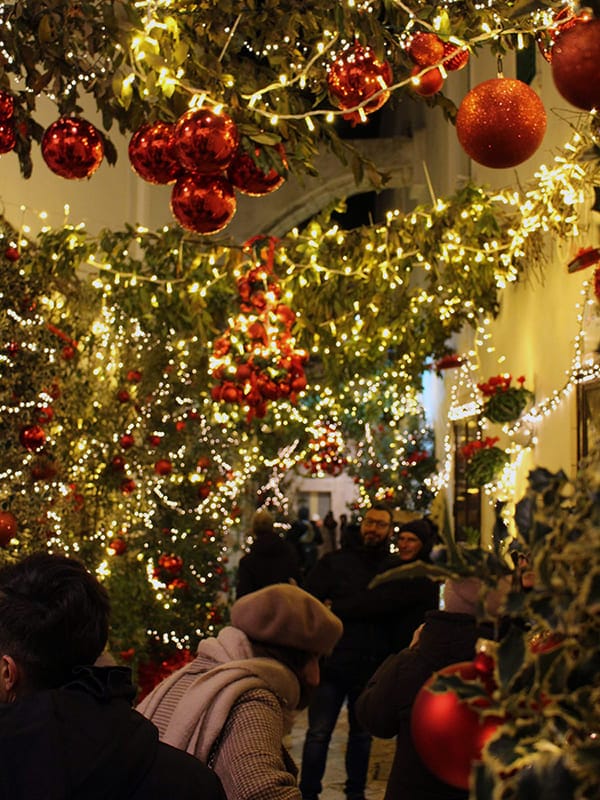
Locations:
{"points": [[382, 753]]}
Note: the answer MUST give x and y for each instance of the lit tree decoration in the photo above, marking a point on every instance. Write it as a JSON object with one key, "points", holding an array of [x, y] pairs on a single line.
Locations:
{"points": [[326, 452], [255, 361]]}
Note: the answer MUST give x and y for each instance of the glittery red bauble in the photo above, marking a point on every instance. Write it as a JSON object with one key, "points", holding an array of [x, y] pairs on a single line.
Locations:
{"points": [[447, 733], [426, 49], [163, 467], [127, 441], [7, 106], [501, 123], [356, 76], [12, 253], [250, 179], [152, 153], [72, 148], [455, 57], [206, 142], [203, 203], [576, 65], [8, 527], [428, 83], [563, 20], [32, 437], [8, 138]]}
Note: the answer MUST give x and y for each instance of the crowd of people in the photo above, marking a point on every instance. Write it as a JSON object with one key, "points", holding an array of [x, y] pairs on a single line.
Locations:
{"points": [[308, 630]]}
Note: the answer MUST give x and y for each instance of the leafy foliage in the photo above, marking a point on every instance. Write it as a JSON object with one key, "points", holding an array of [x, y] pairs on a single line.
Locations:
{"points": [[144, 62]]}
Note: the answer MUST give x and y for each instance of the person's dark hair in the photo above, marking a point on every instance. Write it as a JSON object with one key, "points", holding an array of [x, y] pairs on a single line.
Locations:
{"points": [[53, 617], [382, 507]]}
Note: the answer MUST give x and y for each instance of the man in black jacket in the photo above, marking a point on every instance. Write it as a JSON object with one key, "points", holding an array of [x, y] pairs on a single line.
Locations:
{"points": [[377, 622], [67, 729]]}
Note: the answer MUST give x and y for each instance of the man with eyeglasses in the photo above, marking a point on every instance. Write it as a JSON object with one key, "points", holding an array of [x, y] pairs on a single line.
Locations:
{"points": [[377, 622]]}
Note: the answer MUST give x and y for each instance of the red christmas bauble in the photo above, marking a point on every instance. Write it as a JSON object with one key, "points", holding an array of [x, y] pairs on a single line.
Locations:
{"points": [[12, 252], [429, 82], [206, 142], [563, 20], [8, 527], [576, 65], [426, 49], [152, 153], [72, 148], [127, 441], [203, 203], [163, 467], [356, 76], [32, 437], [455, 57], [127, 486], [8, 137], [7, 106], [118, 546], [250, 179], [501, 123], [447, 733]]}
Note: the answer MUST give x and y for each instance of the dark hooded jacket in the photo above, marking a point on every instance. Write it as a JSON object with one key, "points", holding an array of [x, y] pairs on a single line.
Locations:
{"points": [[270, 559], [385, 706], [85, 742], [377, 621]]}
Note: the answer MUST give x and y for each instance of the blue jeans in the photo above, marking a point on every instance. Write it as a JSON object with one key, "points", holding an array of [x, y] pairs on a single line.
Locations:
{"points": [[323, 712]]}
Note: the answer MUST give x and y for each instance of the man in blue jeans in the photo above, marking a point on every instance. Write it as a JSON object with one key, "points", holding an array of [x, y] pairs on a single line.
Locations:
{"points": [[377, 622]]}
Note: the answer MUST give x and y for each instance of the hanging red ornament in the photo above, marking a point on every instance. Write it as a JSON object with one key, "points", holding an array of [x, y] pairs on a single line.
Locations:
{"points": [[563, 20], [134, 375], [72, 148], [455, 56], [428, 83], [501, 123], [356, 76], [32, 437], [152, 153], [8, 527], [203, 203], [163, 467], [250, 179], [426, 49], [127, 486], [169, 565], [127, 441], [68, 352], [117, 463], [12, 253], [8, 137], [447, 732], [7, 106], [118, 546], [204, 141], [576, 65]]}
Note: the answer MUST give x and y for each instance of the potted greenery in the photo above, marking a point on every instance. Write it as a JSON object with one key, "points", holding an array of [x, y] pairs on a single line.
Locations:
{"points": [[484, 461], [504, 403]]}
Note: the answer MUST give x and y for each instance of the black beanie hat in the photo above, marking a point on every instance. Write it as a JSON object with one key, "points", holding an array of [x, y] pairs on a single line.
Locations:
{"points": [[425, 530]]}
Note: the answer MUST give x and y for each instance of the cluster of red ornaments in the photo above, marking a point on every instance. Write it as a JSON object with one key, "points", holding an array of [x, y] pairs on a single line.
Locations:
{"points": [[200, 154], [266, 367], [326, 452], [427, 50], [8, 137]]}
